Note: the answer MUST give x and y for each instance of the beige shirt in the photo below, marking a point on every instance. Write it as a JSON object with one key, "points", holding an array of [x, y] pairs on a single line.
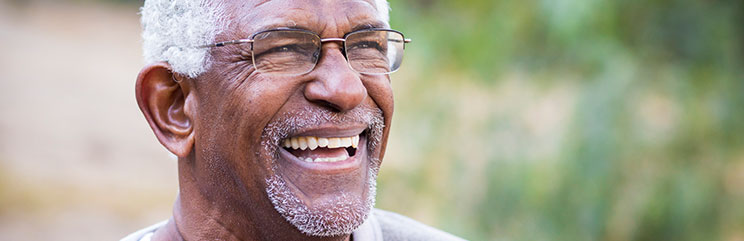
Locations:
{"points": [[380, 226]]}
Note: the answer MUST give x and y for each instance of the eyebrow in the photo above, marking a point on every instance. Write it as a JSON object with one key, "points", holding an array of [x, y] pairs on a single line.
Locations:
{"points": [[362, 26], [369, 25], [282, 26]]}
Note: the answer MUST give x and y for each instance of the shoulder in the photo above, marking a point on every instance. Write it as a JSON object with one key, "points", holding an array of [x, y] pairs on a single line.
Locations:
{"points": [[398, 227]]}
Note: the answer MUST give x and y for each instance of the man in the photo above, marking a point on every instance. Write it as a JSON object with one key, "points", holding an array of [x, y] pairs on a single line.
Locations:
{"points": [[279, 113]]}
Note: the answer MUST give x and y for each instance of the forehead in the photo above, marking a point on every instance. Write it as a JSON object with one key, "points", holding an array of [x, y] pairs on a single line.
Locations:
{"points": [[329, 18]]}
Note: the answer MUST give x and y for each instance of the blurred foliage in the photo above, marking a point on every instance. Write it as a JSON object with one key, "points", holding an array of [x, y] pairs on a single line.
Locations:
{"points": [[570, 120], [651, 145]]}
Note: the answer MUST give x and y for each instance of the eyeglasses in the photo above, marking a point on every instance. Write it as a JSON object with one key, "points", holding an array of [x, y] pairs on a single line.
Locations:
{"points": [[295, 51]]}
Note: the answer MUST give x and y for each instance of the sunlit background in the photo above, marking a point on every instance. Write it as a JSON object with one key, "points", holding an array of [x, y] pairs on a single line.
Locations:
{"points": [[515, 120]]}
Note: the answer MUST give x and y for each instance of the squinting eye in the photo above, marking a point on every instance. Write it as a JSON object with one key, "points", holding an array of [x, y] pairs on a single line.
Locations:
{"points": [[285, 48], [366, 45], [292, 48]]}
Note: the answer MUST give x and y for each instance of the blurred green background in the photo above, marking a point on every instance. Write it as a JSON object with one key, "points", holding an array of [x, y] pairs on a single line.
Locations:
{"points": [[515, 120]]}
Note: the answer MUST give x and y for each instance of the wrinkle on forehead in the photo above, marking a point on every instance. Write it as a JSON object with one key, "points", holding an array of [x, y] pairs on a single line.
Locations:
{"points": [[352, 17], [325, 17]]}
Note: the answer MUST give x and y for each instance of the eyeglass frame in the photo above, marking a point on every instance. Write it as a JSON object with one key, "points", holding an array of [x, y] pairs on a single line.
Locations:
{"points": [[322, 41]]}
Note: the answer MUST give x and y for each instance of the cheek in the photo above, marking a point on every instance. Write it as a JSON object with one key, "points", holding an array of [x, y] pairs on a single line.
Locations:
{"points": [[233, 122], [381, 93]]}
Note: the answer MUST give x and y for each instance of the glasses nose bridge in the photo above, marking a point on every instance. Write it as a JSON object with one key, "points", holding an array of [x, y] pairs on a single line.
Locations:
{"points": [[342, 43], [325, 40]]}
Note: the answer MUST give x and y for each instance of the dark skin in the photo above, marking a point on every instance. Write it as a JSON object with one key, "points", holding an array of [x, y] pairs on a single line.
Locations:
{"points": [[214, 123]]}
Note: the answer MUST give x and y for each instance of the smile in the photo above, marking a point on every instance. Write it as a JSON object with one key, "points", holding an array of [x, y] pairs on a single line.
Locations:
{"points": [[313, 149]]}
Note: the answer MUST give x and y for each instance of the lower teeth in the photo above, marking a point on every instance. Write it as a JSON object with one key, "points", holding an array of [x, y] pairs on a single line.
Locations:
{"points": [[330, 159]]}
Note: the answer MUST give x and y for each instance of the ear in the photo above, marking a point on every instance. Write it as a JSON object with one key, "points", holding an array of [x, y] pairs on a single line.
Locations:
{"points": [[166, 105]]}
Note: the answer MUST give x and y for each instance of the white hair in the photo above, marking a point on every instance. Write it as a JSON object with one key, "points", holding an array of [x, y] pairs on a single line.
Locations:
{"points": [[172, 30], [383, 8]]}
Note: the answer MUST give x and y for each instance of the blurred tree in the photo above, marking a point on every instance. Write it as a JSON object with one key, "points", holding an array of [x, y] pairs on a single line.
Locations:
{"points": [[654, 132]]}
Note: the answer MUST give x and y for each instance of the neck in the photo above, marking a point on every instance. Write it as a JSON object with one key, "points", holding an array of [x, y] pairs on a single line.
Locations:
{"points": [[212, 208]]}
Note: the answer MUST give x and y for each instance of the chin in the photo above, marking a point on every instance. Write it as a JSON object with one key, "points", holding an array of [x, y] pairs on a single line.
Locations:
{"points": [[324, 168], [335, 216]]}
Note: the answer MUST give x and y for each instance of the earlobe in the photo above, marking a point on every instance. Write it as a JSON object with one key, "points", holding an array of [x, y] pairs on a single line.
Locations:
{"points": [[166, 105]]}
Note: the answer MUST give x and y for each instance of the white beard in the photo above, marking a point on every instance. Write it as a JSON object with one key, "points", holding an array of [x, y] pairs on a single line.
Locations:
{"points": [[343, 215]]}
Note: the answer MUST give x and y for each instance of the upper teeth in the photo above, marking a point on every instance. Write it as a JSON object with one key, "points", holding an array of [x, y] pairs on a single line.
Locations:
{"points": [[312, 142]]}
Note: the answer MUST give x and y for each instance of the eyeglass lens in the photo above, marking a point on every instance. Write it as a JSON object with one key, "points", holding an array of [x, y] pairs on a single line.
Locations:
{"points": [[297, 52]]}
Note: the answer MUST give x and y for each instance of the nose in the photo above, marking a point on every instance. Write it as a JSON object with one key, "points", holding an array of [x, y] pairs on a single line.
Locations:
{"points": [[334, 83]]}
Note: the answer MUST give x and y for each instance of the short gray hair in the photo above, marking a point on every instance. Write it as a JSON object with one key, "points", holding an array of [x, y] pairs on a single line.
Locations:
{"points": [[171, 30]]}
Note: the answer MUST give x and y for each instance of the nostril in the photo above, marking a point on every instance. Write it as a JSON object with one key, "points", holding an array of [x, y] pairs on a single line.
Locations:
{"points": [[329, 105]]}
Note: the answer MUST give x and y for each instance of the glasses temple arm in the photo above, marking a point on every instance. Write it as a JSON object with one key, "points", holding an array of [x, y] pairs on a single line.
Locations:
{"points": [[408, 40], [220, 44]]}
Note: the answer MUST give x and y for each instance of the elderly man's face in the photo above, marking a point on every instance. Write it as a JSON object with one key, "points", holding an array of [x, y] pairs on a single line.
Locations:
{"points": [[244, 118]]}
